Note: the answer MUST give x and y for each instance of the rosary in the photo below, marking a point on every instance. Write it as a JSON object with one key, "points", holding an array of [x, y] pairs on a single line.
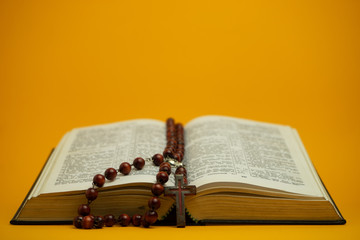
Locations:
{"points": [[172, 157]]}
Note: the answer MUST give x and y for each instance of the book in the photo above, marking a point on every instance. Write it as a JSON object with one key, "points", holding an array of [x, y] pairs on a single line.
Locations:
{"points": [[245, 172]]}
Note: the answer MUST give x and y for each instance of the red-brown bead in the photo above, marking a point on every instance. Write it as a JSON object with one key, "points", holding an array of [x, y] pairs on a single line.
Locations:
{"points": [[77, 221], [170, 149], [84, 210], [171, 142], [157, 189], [181, 170], [109, 220], [170, 122], [87, 222], [124, 220], [165, 164], [110, 174], [177, 157], [170, 134], [181, 153], [151, 217], [171, 138], [144, 223], [162, 177], [168, 153], [99, 180], [139, 163], [154, 203], [98, 222], [158, 159], [181, 148], [91, 194], [125, 168], [136, 220], [166, 169]]}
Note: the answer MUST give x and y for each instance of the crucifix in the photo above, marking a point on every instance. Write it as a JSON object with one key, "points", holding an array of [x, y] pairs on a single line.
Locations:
{"points": [[180, 190]]}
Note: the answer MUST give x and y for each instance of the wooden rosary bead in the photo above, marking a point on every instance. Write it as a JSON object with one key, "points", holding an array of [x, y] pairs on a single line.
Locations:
{"points": [[84, 210], [110, 174], [87, 222], [181, 155], [157, 189], [165, 164], [125, 168], [124, 220], [179, 136], [154, 203], [168, 153], [99, 222], [177, 157], [77, 221], [171, 142], [139, 163], [158, 159], [99, 180], [171, 138], [181, 152], [170, 122], [109, 220], [166, 169], [144, 223], [170, 147], [180, 147], [151, 217], [91, 194], [136, 220], [181, 170], [162, 177], [170, 134], [171, 128]]}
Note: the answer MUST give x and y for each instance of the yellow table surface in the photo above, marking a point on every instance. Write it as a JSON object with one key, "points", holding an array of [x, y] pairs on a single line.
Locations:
{"points": [[66, 64]]}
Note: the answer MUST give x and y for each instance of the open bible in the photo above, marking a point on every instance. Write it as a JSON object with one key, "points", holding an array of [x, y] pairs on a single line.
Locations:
{"points": [[245, 172]]}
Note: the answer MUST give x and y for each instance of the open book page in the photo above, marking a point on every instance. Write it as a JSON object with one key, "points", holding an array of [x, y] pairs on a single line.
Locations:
{"points": [[49, 167], [91, 150], [224, 149], [310, 165]]}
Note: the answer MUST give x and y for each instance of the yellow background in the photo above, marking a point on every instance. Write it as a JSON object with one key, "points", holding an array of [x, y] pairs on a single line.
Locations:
{"points": [[66, 64]]}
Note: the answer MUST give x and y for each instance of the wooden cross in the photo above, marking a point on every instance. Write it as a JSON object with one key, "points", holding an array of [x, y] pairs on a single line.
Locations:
{"points": [[180, 191]]}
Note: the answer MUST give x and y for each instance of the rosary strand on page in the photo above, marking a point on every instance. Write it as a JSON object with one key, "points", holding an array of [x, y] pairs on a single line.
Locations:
{"points": [[172, 156]]}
